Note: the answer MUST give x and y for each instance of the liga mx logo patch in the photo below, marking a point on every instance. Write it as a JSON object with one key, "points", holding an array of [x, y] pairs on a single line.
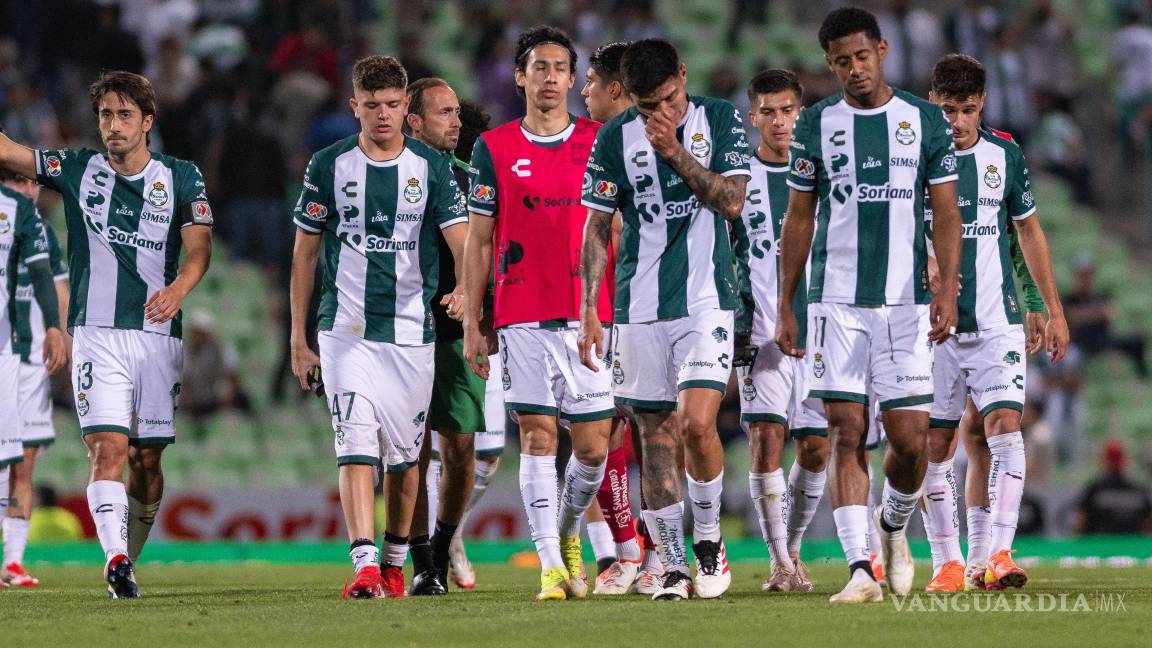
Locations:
{"points": [[818, 366], [52, 166]]}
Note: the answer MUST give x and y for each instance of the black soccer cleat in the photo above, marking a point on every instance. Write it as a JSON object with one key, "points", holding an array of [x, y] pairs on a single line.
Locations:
{"points": [[121, 579], [427, 583]]}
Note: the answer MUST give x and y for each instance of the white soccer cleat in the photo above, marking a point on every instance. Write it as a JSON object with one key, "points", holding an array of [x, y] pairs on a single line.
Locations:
{"points": [[899, 569], [649, 580], [677, 586], [712, 574], [861, 588], [974, 576], [618, 578], [460, 570]]}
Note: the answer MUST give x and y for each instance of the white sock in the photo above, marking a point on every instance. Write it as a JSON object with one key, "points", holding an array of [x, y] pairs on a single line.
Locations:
{"points": [[873, 532], [628, 550], [979, 535], [805, 490], [600, 535], [581, 482], [5, 474], [941, 515], [1005, 487], [898, 506], [141, 517], [852, 527], [541, 501], [651, 558], [432, 481], [705, 498], [108, 502], [483, 475], [15, 539], [395, 551], [666, 526], [365, 555], [767, 492]]}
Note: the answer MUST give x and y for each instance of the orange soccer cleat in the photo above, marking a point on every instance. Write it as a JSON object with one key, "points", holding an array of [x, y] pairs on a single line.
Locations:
{"points": [[950, 578], [1003, 572]]}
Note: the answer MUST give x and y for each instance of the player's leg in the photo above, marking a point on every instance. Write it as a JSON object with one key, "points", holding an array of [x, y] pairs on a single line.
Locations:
{"points": [[425, 580], [600, 536], [977, 512], [809, 474], [18, 512], [614, 498], [938, 504], [356, 480], [145, 489], [36, 433]]}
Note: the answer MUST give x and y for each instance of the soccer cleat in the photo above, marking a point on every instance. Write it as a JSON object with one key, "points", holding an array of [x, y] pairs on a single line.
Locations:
{"points": [[553, 584], [649, 581], [861, 588], [950, 578], [603, 565], [780, 580], [460, 570], [1003, 572], [712, 575], [897, 557], [677, 586], [803, 580], [368, 584], [570, 550], [13, 575], [617, 579], [393, 581], [974, 577], [121, 578], [877, 563], [427, 583]]}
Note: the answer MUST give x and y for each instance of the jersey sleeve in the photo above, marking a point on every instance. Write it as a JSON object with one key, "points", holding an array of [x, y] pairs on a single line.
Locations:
{"points": [[56, 255], [446, 204], [482, 192], [192, 201], [315, 201], [939, 148], [731, 155], [55, 166], [804, 160], [604, 174], [1021, 203], [1033, 302], [31, 239]]}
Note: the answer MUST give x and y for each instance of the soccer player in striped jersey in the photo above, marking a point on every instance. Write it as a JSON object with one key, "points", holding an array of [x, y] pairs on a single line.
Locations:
{"points": [[374, 200], [986, 357], [773, 398], [35, 406], [868, 154], [676, 166], [129, 213], [524, 202]]}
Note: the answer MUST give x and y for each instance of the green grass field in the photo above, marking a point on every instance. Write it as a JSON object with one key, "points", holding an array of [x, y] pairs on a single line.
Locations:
{"points": [[258, 604]]}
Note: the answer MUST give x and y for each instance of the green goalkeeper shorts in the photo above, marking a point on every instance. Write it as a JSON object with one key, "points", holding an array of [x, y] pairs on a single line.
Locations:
{"points": [[457, 393]]}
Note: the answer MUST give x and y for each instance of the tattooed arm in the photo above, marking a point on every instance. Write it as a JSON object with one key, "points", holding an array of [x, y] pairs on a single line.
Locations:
{"points": [[724, 194], [593, 260]]}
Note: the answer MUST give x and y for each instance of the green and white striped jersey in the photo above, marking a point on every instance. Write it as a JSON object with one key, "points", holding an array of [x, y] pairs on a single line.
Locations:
{"points": [[675, 255], [378, 221], [22, 241], [29, 319], [993, 187], [123, 232], [870, 169]]}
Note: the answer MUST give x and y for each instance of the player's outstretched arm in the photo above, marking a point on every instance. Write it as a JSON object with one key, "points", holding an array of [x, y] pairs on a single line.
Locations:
{"points": [[724, 194], [305, 254], [477, 266], [593, 261], [165, 303], [1034, 245], [17, 158], [795, 245], [946, 241]]}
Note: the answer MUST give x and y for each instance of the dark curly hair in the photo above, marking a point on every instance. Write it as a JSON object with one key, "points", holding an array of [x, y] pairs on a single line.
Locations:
{"points": [[846, 21], [647, 64], [773, 81], [958, 76]]}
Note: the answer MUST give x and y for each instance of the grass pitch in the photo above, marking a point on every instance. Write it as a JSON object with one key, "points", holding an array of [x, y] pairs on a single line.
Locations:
{"points": [[294, 605]]}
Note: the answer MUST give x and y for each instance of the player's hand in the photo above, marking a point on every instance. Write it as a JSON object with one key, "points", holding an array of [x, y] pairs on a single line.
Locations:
{"points": [[164, 304], [787, 330], [591, 340], [304, 360], [489, 333], [1056, 337], [942, 315], [55, 350], [454, 303], [1035, 324], [660, 129], [476, 350]]}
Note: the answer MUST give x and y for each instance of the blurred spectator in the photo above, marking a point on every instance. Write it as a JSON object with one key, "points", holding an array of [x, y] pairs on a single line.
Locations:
{"points": [[309, 51], [1114, 503], [638, 20], [411, 55], [1058, 146], [1132, 67], [210, 382], [970, 27], [1009, 103], [1090, 312], [334, 122], [493, 68], [914, 45], [1060, 387], [723, 82], [1040, 441], [745, 13], [154, 20], [173, 73], [30, 119], [1049, 45], [110, 47], [50, 522], [222, 44]]}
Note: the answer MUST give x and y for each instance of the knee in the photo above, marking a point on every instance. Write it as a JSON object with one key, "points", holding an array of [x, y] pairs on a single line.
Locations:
{"points": [[146, 460], [939, 443], [698, 427], [589, 456], [812, 453], [458, 452], [847, 433], [538, 441], [1002, 421]]}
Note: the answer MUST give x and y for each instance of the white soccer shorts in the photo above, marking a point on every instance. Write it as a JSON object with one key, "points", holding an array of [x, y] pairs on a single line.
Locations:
{"points": [[766, 386], [11, 450], [991, 364], [490, 442], [542, 374], [36, 428], [806, 417]]}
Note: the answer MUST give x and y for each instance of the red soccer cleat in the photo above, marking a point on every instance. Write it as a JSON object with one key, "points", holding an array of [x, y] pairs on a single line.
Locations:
{"points": [[14, 575], [393, 581], [368, 584]]}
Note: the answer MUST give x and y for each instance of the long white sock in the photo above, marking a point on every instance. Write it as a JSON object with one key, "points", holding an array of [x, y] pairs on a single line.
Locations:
{"points": [[1005, 487], [108, 502], [941, 515], [600, 535], [979, 535], [581, 482], [5, 474], [541, 501], [141, 517], [432, 481], [482, 475], [898, 506], [705, 498], [873, 532], [852, 527], [805, 490], [666, 526], [15, 539], [767, 491]]}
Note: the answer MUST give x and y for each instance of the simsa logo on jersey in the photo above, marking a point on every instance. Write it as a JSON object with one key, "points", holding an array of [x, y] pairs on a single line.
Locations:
{"points": [[883, 193], [382, 244]]}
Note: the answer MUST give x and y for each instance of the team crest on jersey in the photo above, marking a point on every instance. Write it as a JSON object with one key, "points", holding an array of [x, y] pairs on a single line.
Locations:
{"points": [[5, 224], [339, 435], [804, 168], [52, 166], [158, 195], [992, 177], [818, 365], [700, 146], [506, 379], [315, 210], [605, 189], [904, 133], [749, 390], [483, 193], [413, 193], [82, 406], [617, 373]]}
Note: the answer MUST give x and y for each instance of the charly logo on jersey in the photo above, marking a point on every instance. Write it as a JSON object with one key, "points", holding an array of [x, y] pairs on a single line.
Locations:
{"points": [[158, 195], [52, 166], [413, 193], [521, 168], [818, 365], [992, 177], [804, 168], [315, 210], [904, 133], [5, 223], [748, 390], [82, 405], [700, 146]]}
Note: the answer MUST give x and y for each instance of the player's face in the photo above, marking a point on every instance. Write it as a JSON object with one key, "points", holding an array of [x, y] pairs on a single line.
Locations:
{"points": [[123, 127], [598, 97], [439, 126], [25, 186], [858, 62], [774, 115], [964, 117], [381, 113], [669, 97], [547, 77]]}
